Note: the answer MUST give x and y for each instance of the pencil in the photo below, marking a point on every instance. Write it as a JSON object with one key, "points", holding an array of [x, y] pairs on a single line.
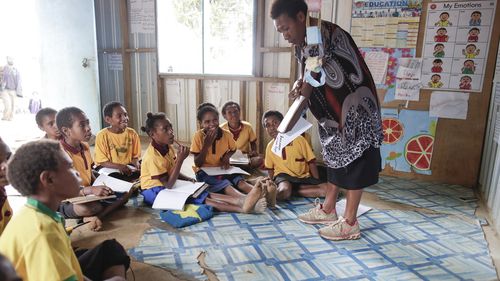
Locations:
{"points": [[177, 143]]}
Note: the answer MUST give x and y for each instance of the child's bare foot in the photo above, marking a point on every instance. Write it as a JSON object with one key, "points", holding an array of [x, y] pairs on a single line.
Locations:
{"points": [[260, 206], [272, 191], [252, 197], [95, 224]]}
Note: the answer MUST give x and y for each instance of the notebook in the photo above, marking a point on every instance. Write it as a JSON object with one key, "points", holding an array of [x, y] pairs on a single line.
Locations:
{"points": [[115, 184], [175, 198]]}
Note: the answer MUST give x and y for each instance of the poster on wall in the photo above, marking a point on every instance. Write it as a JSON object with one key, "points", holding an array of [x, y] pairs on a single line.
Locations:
{"points": [[386, 23], [408, 140], [456, 43]]}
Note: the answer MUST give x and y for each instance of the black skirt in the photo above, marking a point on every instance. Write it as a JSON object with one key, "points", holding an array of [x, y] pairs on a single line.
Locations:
{"points": [[358, 174]]}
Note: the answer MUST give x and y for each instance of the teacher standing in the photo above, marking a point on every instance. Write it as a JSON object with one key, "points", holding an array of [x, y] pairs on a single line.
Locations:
{"points": [[347, 110]]}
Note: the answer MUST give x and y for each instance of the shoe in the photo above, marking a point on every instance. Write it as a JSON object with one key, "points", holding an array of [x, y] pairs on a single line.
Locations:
{"points": [[317, 215], [340, 230]]}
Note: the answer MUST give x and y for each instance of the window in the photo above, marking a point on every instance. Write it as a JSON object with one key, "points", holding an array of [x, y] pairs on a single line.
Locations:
{"points": [[205, 36]]}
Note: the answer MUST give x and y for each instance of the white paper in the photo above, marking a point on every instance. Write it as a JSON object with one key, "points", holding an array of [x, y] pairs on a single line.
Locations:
{"points": [[215, 171], [451, 105], [377, 63], [408, 90], [290, 113], [106, 171], [175, 198], [340, 208], [142, 16], [173, 92], [115, 184], [239, 158], [115, 62], [409, 68], [283, 139]]}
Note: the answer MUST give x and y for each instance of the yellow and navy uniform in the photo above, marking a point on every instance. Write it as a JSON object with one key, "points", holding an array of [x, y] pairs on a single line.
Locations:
{"points": [[37, 245], [294, 160], [156, 164], [243, 136], [82, 160], [117, 148], [223, 143]]}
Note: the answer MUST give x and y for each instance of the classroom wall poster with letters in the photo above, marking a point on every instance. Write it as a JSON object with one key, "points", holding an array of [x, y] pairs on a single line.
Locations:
{"points": [[408, 140], [386, 23], [456, 43]]}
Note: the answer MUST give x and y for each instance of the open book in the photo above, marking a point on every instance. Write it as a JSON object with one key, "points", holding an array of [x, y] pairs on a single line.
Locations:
{"points": [[115, 184], [88, 198], [107, 171], [175, 198], [215, 171], [239, 158]]}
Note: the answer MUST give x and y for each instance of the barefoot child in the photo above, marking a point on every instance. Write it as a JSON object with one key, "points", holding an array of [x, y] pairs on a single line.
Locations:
{"points": [[75, 130], [35, 241], [160, 165], [5, 209], [242, 131], [46, 121], [295, 171], [118, 145], [212, 147]]}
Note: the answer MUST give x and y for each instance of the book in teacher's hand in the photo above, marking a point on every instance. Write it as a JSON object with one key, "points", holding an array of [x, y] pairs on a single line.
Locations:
{"points": [[175, 197]]}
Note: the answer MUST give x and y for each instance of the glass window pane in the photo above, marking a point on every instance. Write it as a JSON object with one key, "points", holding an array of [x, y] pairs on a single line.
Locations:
{"points": [[180, 36]]}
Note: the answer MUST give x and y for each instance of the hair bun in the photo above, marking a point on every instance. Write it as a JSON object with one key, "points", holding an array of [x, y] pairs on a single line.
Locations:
{"points": [[149, 115], [143, 129]]}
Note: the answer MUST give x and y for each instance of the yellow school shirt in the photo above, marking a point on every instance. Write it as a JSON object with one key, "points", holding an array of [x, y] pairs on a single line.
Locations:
{"points": [[82, 161], [219, 148], [37, 245], [155, 166], [117, 148], [6, 211], [295, 159], [246, 136]]}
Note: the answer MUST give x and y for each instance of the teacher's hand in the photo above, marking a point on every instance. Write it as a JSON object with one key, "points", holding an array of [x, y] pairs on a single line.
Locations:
{"points": [[295, 92]]}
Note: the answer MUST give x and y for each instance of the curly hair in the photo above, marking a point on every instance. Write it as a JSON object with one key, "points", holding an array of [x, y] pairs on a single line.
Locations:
{"points": [[228, 104], [289, 7], [46, 111], [107, 110], [270, 113], [29, 161], [204, 108], [151, 119], [64, 117]]}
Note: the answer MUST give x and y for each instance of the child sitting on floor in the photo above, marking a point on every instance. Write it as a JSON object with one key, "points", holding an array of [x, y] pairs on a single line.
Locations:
{"points": [[160, 165], [118, 146], [75, 130], [5, 209], [242, 131], [212, 147], [46, 121], [295, 171], [35, 241]]}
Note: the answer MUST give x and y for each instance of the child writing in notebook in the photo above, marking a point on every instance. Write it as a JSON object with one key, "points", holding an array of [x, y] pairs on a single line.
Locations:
{"points": [[75, 130], [161, 165], [46, 120], [295, 172], [212, 147], [118, 146], [6, 211], [242, 131]]}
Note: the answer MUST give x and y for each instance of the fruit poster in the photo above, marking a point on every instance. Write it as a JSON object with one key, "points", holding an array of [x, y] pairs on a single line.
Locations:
{"points": [[456, 42], [408, 140], [386, 23], [392, 67]]}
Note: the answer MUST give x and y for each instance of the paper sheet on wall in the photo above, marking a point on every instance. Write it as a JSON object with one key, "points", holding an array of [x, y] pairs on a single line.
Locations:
{"points": [[408, 89], [115, 62], [409, 68], [173, 92], [278, 95], [283, 139], [142, 16], [377, 63], [213, 92], [452, 105]]}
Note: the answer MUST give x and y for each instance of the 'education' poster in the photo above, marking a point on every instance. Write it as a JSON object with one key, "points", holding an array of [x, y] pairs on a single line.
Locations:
{"points": [[456, 44]]}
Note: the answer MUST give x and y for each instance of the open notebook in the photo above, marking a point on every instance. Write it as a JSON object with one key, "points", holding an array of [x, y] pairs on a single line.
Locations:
{"points": [[239, 158], [115, 184], [175, 198], [107, 171]]}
